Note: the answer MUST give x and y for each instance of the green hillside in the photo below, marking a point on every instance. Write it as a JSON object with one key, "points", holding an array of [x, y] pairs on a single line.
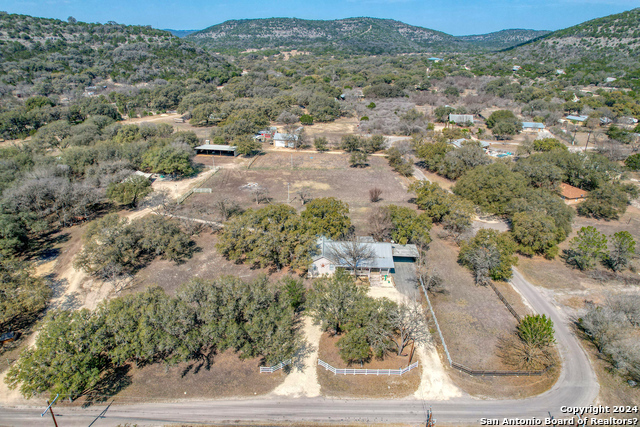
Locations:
{"points": [[353, 35], [503, 39], [59, 56], [613, 36], [591, 51]]}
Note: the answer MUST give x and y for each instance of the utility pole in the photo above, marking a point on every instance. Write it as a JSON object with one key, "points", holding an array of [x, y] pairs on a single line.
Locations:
{"points": [[50, 409], [288, 194], [292, 162], [431, 422]]}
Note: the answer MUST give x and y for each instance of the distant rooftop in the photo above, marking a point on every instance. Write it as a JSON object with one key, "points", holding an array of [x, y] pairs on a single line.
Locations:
{"points": [[571, 192], [577, 118], [216, 147], [532, 125], [458, 142]]}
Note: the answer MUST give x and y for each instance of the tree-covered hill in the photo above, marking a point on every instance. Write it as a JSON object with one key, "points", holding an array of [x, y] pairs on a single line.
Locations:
{"points": [[608, 37], [56, 56], [503, 39], [353, 35], [591, 51]]}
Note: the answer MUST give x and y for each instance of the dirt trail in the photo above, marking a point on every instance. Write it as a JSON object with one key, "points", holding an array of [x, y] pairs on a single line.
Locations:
{"points": [[303, 380], [434, 383]]}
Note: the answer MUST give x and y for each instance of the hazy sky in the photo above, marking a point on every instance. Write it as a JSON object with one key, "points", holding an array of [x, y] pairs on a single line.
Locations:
{"points": [[457, 17]]}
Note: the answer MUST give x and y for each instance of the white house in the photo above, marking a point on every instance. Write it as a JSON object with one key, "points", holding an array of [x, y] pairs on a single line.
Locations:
{"points": [[532, 126], [461, 119], [284, 140], [382, 262]]}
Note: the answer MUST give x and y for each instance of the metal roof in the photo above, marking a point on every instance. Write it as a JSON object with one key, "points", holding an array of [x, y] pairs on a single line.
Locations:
{"points": [[216, 147], [532, 125], [382, 253], [458, 142], [461, 118], [285, 137], [577, 118], [404, 251]]}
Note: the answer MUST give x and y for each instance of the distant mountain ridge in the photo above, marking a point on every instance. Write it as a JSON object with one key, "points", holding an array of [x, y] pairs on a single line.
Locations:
{"points": [[351, 35], [504, 39], [180, 33], [613, 36]]}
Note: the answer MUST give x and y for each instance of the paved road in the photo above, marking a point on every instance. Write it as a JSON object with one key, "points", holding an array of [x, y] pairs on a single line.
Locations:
{"points": [[577, 386]]}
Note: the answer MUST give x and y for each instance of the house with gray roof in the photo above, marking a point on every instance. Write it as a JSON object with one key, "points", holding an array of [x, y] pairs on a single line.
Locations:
{"points": [[382, 262]]}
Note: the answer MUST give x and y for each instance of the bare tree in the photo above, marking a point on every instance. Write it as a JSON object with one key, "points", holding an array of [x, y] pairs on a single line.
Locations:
{"points": [[374, 194], [410, 326], [260, 193], [482, 259], [427, 275], [160, 201], [225, 208], [114, 273], [380, 223], [350, 253], [304, 194]]}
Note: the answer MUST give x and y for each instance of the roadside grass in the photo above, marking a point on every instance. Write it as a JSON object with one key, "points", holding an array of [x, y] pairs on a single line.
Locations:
{"points": [[227, 376], [366, 386], [473, 322], [614, 390]]}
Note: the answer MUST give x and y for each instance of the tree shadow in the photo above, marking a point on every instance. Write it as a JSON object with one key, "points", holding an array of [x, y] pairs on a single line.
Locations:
{"points": [[58, 289], [113, 382]]}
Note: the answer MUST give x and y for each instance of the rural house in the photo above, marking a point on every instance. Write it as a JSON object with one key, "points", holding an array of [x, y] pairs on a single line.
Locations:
{"points": [[571, 194], [532, 126], [381, 263], [285, 140], [461, 119]]}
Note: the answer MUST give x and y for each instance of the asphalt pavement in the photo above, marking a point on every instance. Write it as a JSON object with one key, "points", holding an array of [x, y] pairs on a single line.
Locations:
{"points": [[577, 386]]}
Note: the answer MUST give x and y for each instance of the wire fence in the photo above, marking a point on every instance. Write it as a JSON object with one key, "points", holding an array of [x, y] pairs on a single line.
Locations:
{"points": [[504, 301], [479, 373], [337, 371], [272, 369], [435, 319], [474, 372]]}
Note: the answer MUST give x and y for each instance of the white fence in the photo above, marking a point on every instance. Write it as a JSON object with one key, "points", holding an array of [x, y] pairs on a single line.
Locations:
{"points": [[272, 369], [337, 371]]}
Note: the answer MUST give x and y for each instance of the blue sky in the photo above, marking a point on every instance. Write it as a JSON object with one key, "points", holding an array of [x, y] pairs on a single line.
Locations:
{"points": [[457, 17]]}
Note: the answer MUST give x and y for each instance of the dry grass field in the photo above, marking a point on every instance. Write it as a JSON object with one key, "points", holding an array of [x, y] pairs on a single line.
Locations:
{"points": [[472, 317], [367, 386], [206, 263], [226, 376], [473, 321], [324, 175]]}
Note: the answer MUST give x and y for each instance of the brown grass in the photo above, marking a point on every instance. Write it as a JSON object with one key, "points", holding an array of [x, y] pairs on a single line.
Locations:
{"points": [[228, 376], [472, 317], [504, 387], [368, 386], [473, 321], [206, 264], [326, 175], [614, 390]]}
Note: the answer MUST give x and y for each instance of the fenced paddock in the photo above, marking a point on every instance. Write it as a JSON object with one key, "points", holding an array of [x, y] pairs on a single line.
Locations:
{"points": [[376, 372], [272, 369]]}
